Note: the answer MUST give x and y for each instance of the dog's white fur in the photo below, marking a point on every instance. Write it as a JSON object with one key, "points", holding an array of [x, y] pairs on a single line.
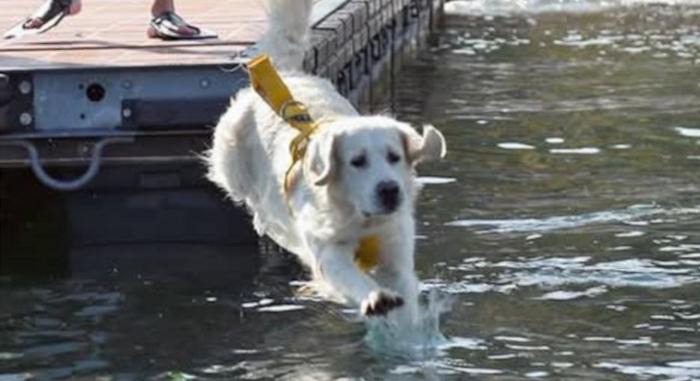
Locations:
{"points": [[334, 201]]}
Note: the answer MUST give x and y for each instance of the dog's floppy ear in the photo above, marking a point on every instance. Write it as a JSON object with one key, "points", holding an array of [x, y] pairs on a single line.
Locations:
{"points": [[321, 163], [430, 146]]}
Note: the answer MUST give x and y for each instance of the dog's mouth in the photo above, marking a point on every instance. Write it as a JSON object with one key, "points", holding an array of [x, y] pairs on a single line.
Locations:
{"points": [[373, 220], [367, 215], [379, 214], [382, 213]]}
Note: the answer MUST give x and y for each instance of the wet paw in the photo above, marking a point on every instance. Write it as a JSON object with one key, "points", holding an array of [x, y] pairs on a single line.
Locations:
{"points": [[379, 303]]}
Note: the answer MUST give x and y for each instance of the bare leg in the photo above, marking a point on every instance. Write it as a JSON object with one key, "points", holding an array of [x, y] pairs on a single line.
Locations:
{"points": [[160, 6], [36, 21]]}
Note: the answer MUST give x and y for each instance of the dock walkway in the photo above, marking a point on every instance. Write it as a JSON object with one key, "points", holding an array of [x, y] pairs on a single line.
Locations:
{"points": [[112, 33]]}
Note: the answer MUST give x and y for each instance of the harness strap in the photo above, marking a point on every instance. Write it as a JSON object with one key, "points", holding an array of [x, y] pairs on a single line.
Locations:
{"points": [[267, 83]]}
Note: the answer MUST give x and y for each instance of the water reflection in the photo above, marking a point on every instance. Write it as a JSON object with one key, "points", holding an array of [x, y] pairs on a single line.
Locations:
{"points": [[570, 237]]}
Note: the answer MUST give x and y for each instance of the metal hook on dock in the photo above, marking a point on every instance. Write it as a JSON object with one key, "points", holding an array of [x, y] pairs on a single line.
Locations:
{"points": [[67, 185]]}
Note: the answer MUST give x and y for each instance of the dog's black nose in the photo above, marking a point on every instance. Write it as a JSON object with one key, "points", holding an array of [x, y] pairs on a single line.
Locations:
{"points": [[388, 192]]}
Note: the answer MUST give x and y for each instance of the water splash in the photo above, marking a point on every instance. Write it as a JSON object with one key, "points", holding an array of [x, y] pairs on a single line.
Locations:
{"points": [[420, 340]]}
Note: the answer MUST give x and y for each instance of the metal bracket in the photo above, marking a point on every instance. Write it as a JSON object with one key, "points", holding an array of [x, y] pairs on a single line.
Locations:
{"points": [[172, 114], [16, 102], [66, 185]]}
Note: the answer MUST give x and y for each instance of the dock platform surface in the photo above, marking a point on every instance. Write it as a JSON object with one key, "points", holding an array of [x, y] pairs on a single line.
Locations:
{"points": [[112, 33]]}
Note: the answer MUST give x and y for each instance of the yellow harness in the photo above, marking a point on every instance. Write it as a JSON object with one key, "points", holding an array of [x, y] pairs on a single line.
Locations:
{"points": [[267, 83]]}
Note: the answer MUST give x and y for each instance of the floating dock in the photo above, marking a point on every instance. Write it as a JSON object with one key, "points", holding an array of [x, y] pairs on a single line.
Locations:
{"points": [[102, 129], [95, 92]]}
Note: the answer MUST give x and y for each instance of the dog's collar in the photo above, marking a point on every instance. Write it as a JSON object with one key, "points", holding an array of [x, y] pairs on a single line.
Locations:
{"points": [[267, 83]]}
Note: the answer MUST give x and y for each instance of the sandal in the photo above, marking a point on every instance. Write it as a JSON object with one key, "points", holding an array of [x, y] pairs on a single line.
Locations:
{"points": [[51, 13], [169, 26]]}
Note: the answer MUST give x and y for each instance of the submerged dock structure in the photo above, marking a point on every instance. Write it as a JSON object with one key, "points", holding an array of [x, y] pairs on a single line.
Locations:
{"points": [[95, 92]]}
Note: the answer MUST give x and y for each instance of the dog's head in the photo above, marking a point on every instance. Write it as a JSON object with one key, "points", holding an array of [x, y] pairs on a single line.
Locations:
{"points": [[368, 162]]}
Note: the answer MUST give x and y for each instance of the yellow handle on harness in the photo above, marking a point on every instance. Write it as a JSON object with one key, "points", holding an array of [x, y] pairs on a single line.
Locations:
{"points": [[269, 85], [367, 253]]}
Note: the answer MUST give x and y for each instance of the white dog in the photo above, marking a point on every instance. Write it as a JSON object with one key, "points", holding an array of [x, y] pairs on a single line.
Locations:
{"points": [[356, 179]]}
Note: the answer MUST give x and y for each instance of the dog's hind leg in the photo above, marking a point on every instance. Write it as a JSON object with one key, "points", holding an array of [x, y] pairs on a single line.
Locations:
{"points": [[232, 156]]}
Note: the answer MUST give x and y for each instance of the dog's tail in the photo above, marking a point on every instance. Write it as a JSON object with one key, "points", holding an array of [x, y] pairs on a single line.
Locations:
{"points": [[287, 32]]}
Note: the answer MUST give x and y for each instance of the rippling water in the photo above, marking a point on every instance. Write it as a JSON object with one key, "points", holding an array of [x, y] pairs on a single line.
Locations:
{"points": [[563, 230]]}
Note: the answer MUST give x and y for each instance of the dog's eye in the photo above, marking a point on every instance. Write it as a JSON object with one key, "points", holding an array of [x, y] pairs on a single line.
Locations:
{"points": [[359, 161], [393, 158]]}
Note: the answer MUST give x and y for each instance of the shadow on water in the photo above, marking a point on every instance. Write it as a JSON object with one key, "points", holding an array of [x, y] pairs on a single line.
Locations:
{"points": [[33, 235], [119, 281]]}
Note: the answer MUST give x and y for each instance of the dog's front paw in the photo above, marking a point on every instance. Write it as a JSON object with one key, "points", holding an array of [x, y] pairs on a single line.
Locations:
{"points": [[380, 302]]}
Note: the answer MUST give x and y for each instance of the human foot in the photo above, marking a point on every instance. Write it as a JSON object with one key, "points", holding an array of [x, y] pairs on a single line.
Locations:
{"points": [[50, 10], [46, 17], [170, 26]]}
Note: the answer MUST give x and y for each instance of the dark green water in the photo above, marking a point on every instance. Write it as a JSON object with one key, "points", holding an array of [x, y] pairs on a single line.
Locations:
{"points": [[564, 224]]}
